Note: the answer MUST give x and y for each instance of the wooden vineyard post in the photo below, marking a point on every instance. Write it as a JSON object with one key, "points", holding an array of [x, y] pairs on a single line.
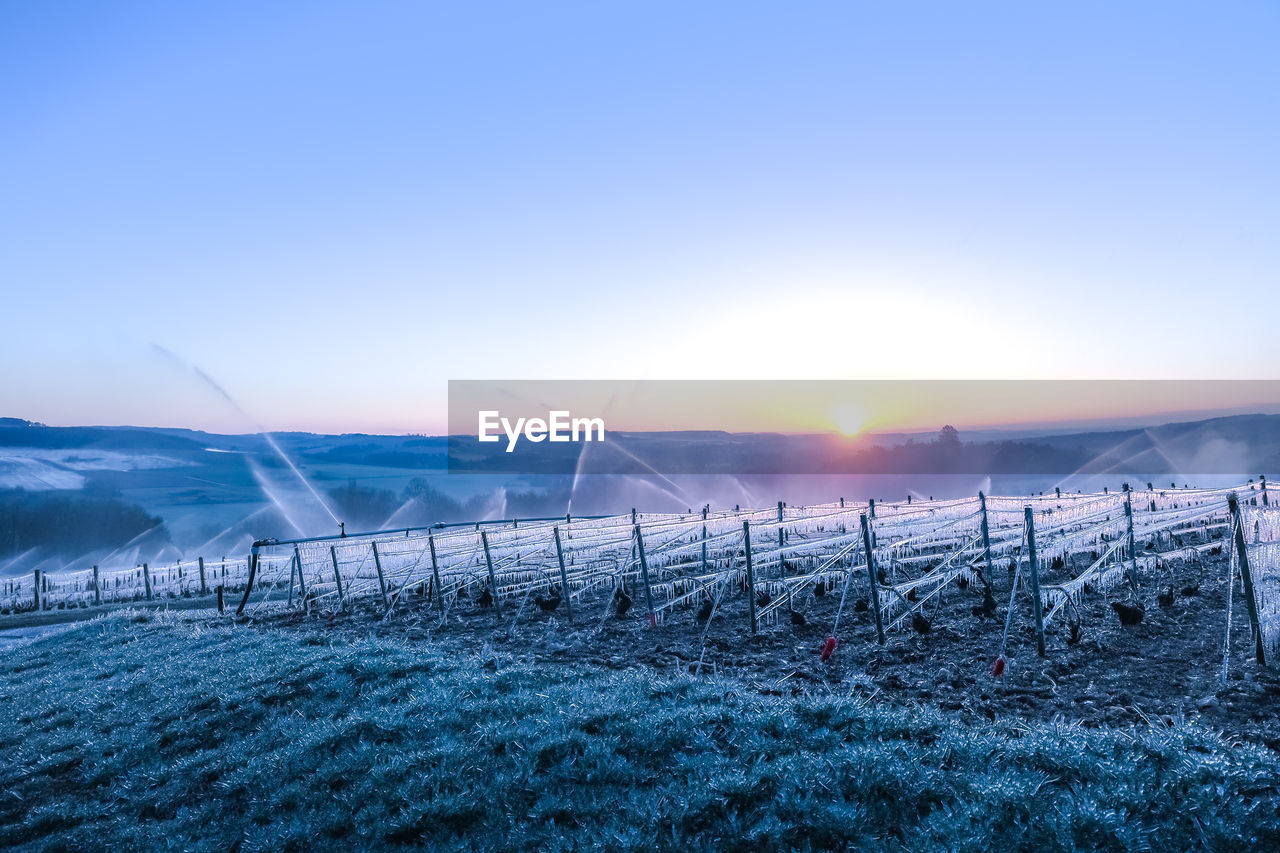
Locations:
{"points": [[146, 579], [219, 599], [704, 539], [782, 561], [564, 577], [337, 577], [644, 576], [382, 581], [488, 558], [253, 573], [435, 573], [751, 574], [36, 587], [97, 589], [204, 590], [302, 584], [986, 538], [875, 582], [1246, 576], [293, 571], [1132, 568], [1035, 580]]}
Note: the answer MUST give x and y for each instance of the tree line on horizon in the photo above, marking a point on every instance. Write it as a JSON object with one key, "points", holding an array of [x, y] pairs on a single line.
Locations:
{"points": [[70, 523]]}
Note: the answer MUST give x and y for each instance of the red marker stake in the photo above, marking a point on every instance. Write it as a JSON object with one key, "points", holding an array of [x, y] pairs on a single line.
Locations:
{"points": [[829, 648]]}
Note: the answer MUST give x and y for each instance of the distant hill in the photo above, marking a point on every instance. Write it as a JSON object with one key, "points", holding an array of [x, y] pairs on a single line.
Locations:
{"points": [[215, 493], [1238, 443], [1224, 445]]}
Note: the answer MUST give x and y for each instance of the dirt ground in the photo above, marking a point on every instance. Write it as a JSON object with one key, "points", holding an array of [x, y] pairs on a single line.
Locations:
{"points": [[1169, 667]]}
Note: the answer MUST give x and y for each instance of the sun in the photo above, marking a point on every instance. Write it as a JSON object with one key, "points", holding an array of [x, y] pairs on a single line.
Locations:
{"points": [[848, 418]]}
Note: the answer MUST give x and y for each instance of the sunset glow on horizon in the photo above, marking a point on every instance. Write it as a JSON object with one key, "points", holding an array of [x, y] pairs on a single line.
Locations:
{"points": [[855, 408]]}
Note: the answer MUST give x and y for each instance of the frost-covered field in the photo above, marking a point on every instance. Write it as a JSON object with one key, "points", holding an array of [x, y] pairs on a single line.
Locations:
{"points": [[142, 732], [39, 469]]}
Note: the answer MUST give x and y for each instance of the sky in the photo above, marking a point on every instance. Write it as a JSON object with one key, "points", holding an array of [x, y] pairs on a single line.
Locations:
{"points": [[331, 209]]}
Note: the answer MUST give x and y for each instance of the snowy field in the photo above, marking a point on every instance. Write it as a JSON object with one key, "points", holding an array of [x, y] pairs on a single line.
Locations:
{"points": [[41, 469]]}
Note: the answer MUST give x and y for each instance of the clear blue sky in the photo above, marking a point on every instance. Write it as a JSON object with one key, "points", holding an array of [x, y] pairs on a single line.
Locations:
{"points": [[332, 209]]}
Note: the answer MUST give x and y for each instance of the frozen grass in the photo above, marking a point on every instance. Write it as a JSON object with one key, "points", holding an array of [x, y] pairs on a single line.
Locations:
{"points": [[141, 731]]}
